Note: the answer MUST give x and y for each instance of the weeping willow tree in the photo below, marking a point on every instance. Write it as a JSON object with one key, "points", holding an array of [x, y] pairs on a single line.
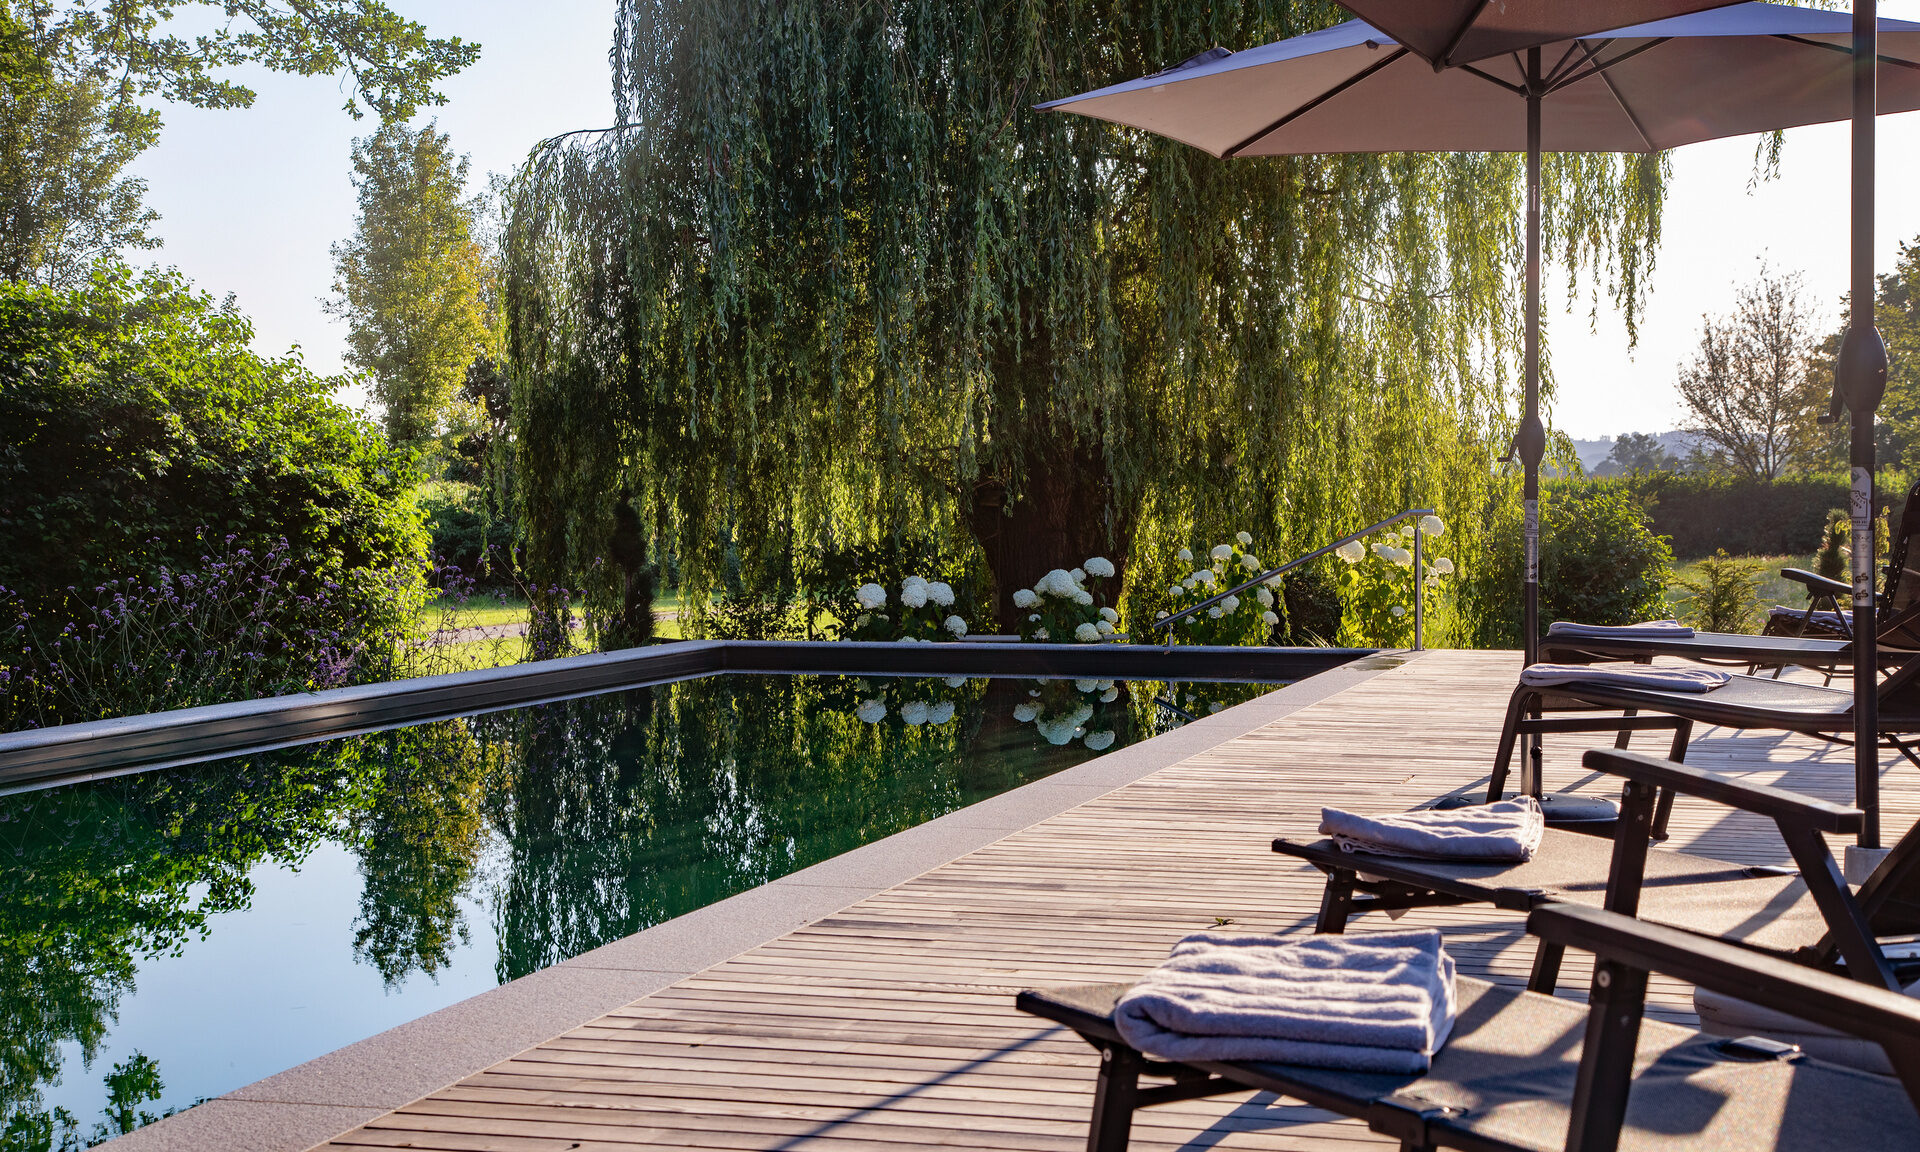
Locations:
{"points": [[832, 280]]}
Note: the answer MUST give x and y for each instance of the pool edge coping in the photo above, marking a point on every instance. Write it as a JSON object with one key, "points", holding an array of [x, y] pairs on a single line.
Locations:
{"points": [[321, 1099]]}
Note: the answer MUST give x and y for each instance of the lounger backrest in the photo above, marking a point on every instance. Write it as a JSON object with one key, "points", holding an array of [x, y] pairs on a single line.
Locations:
{"points": [[1900, 617]]}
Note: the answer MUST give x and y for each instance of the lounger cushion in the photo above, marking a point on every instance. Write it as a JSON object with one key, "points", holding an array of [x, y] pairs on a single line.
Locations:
{"points": [[1505, 1080]]}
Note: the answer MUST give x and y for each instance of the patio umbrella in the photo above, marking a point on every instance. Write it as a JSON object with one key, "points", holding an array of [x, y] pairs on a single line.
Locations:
{"points": [[1453, 32], [1728, 71]]}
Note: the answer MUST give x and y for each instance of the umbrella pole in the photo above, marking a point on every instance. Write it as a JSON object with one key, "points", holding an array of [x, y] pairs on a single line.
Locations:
{"points": [[1532, 440], [1863, 378]]}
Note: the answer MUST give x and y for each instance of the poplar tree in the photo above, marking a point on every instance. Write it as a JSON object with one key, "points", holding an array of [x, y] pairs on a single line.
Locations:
{"points": [[831, 279], [411, 281]]}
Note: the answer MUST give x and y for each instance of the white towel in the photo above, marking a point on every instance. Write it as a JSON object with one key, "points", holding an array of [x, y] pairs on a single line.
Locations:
{"points": [[1505, 830], [1625, 676], [1646, 630], [1380, 1002]]}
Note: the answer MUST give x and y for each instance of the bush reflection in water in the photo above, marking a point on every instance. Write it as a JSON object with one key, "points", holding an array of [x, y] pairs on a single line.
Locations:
{"points": [[605, 815]]}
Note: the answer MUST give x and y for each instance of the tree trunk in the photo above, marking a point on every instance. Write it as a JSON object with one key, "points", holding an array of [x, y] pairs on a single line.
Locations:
{"points": [[1062, 511]]}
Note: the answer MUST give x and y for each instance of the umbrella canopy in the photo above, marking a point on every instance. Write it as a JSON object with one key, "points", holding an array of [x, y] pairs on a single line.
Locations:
{"points": [[1350, 88], [1454, 32]]}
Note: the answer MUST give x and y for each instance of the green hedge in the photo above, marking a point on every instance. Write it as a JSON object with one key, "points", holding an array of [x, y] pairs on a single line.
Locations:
{"points": [[1702, 513]]}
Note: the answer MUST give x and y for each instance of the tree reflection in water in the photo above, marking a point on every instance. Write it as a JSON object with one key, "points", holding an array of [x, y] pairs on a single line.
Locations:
{"points": [[603, 816]]}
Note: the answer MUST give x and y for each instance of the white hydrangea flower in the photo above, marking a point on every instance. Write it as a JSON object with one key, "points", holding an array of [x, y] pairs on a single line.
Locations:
{"points": [[1161, 615], [940, 713], [1214, 707], [1215, 612], [912, 594], [1082, 597], [1033, 691], [1082, 713], [1176, 591], [1086, 634], [1204, 576], [1191, 582], [1105, 627], [1025, 712], [1250, 562], [1432, 526], [1274, 581], [1230, 604], [1086, 685], [941, 593], [1057, 731], [1245, 538], [862, 620], [1269, 618], [1099, 741], [1042, 634], [956, 626], [1078, 574], [1186, 555], [956, 681], [1058, 582], [1025, 598], [1034, 619], [1099, 566], [1111, 616], [871, 596], [1110, 695], [1222, 552], [914, 712], [1265, 597], [1402, 557], [871, 711], [1397, 611], [1443, 566], [1352, 552]]}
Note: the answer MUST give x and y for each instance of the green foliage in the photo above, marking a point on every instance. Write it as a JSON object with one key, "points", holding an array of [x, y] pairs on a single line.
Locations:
{"points": [[1600, 563], [64, 146], [1377, 585], [1704, 512], [1637, 452], [463, 535], [1247, 618], [1724, 595], [833, 278], [1754, 391], [1310, 608], [1830, 560], [1070, 607], [918, 610], [411, 281]]}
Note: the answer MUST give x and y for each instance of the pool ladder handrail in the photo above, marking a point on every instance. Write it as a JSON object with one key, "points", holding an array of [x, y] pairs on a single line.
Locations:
{"points": [[1419, 580]]}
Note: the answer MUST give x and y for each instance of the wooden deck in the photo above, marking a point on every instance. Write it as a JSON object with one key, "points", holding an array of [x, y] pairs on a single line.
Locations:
{"points": [[891, 1024]]}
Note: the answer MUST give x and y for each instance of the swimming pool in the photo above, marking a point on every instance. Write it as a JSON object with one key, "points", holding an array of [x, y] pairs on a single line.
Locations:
{"points": [[171, 936]]}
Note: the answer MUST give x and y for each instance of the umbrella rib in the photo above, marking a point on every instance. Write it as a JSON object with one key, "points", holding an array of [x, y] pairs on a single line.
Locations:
{"points": [[1560, 66], [1601, 67], [1490, 78], [1310, 105], [1640, 129], [1459, 34], [1843, 49]]}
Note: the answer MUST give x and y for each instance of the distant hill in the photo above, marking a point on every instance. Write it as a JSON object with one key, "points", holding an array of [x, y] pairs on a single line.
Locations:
{"points": [[1592, 452]]}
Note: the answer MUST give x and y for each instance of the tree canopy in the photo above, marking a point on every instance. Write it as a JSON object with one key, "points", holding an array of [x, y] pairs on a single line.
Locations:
{"points": [[1753, 389], [832, 279]]}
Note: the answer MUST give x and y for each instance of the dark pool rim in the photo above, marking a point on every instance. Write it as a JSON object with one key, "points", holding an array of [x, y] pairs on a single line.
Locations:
{"points": [[73, 753]]}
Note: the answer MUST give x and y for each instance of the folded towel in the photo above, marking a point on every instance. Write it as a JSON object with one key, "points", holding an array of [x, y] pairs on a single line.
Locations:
{"points": [[1505, 830], [1649, 629], [1829, 619], [1380, 1002], [1625, 676]]}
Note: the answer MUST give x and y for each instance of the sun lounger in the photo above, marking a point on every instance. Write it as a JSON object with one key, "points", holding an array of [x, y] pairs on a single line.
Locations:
{"points": [[1809, 916], [1523, 1072]]}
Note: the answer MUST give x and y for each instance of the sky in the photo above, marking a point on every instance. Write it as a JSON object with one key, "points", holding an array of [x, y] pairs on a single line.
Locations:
{"points": [[250, 201]]}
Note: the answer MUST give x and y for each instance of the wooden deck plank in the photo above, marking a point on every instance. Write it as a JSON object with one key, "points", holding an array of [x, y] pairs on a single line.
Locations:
{"points": [[890, 1025]]}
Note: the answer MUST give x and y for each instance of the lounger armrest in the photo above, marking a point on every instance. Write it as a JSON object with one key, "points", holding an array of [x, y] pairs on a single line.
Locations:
{"points": [[1763, 799], [1854, 1007], [1816, 583]]}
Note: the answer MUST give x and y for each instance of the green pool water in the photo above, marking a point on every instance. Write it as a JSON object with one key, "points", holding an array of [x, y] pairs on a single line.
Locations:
{"points": [[172, 936]]}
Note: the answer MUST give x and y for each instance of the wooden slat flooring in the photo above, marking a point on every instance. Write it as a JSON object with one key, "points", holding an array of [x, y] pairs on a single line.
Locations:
{"points": [[891, 1025]]}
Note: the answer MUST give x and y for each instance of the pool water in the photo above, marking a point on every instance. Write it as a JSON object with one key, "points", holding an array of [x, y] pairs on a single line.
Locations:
{"points": [[172, 936]]}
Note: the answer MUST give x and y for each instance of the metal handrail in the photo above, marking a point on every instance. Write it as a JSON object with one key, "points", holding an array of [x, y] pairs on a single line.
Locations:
{"points": [[1419, 583]]}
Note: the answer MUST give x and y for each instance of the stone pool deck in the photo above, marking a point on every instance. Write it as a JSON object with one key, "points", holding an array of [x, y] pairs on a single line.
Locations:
{"points": [[866, 1003]]}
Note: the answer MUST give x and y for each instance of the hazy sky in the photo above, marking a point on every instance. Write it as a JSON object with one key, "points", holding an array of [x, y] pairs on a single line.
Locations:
{"points": [[250, 201]]}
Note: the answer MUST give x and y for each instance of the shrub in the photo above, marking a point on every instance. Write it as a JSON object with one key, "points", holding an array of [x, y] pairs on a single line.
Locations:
{"points": [[1066, 607], [1725, 595], [1310, 603], [1704, 512], [1600, 563], [1830, 560], [136, 423], [1376, 586], [462, 535], [1247, 618], [921, 611]]}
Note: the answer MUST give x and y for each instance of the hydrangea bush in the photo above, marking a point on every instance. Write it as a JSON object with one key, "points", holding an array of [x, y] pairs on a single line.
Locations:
{"points": [[1247, 618], [920, 612], [914, 703], [1066, 607], [1376, 586], [1063, 711]]}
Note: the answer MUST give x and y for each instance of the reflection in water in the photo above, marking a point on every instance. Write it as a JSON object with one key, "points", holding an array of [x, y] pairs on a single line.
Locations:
{"points": [[597, 818]]}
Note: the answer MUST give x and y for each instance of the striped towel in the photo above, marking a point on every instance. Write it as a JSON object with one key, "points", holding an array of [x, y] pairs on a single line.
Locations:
{"points": [[1378, 1002], [1503, 830], [1647, 630], [1625, 676]]}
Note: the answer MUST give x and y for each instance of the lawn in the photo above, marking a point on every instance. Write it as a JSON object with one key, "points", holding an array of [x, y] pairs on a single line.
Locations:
{"points": [[487, 610]]}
